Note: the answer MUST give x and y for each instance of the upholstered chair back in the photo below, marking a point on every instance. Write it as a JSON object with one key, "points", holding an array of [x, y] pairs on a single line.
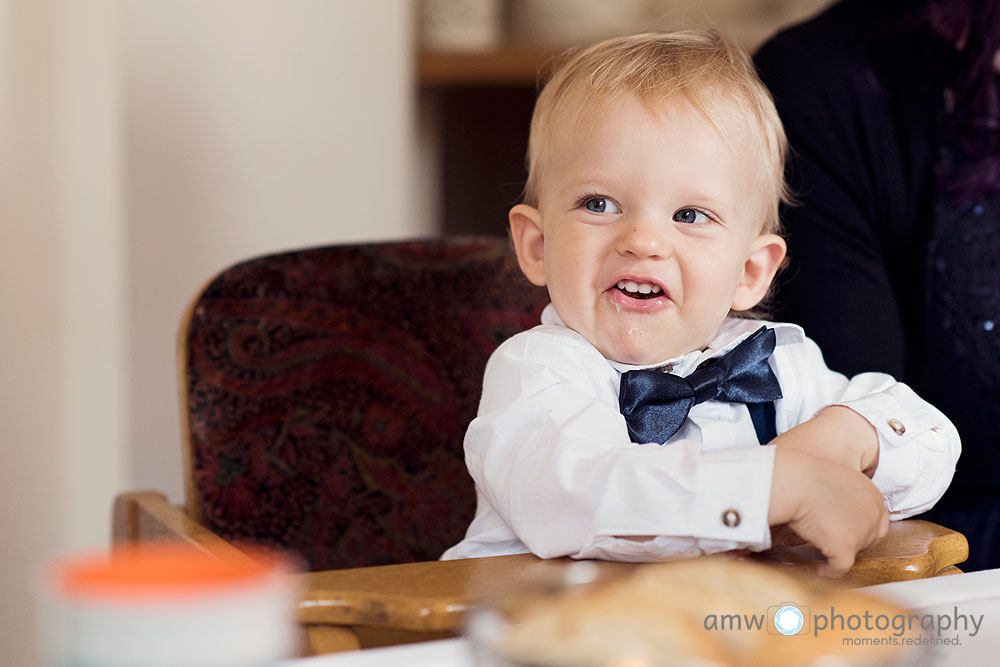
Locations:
{"points": [[327, 392]]}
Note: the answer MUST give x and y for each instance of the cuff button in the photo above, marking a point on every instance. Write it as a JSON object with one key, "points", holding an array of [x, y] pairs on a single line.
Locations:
{"points": [[731, 518], [896, 426]]}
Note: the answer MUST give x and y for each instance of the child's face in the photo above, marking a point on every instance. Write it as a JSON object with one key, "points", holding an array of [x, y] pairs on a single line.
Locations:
{"points": [[647, 229]]}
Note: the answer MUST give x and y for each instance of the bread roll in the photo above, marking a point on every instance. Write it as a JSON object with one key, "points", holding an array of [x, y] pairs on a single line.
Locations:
{"points": [[706, 611]]}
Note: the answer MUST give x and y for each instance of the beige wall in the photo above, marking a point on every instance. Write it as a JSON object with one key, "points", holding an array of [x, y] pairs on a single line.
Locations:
{"points": [[144, 145], [62, 408], [250, 127]]}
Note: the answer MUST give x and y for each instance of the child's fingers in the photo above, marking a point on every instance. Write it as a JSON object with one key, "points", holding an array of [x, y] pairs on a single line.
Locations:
{"points": [[842, 558], [837, 564], [824, 570], [881, 529], [878, 530]]}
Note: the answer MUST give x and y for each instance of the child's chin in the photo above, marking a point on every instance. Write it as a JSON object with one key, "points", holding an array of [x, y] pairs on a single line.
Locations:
{"points": [[633, 354]]}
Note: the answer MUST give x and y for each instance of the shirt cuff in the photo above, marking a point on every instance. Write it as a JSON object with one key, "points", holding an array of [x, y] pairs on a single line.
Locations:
{"points": [[899, 421], [733, 495]]}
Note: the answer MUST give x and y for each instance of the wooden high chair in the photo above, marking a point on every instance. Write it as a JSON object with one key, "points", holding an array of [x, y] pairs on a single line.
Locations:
{"points": [[325, 396]]}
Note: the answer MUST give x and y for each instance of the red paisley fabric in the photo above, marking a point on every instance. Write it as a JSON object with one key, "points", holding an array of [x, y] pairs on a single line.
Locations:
{"points": [[329, 390]]}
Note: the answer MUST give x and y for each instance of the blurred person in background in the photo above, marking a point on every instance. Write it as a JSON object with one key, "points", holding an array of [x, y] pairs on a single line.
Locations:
{"points": [[892, 110]]}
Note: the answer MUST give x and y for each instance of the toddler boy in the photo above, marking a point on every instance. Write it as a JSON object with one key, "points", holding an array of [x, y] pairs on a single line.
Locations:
{"points": [[629, 424]]}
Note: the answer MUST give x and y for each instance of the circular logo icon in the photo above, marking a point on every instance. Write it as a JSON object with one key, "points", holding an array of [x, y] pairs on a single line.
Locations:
{"points": [[788, 620]]}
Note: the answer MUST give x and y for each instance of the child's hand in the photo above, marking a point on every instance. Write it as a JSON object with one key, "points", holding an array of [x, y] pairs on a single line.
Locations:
{"points": [[836, 509], [837, 434], [783, 536]]}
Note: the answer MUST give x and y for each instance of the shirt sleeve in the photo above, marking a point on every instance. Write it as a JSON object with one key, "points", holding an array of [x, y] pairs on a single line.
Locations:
{"points": [[550, 452], [918, 445]]}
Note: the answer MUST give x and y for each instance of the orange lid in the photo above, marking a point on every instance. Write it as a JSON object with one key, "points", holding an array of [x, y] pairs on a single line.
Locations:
{"points": [[163, 570]]}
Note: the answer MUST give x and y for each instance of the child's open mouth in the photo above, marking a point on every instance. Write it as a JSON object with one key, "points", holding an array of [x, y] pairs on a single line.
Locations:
{"points": [[639, 290]]}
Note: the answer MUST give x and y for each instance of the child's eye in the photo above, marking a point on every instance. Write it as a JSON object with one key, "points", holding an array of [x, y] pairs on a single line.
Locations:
{"points": [[600, 205], [691, 216]]}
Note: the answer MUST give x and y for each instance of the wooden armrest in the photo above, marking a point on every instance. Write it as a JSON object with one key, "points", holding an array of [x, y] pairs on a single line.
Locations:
{"points": [[912, 549], [147, 515]]}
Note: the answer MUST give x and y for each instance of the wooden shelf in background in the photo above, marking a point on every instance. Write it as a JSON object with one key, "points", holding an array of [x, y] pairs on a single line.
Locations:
{"points": [[506, 66]]}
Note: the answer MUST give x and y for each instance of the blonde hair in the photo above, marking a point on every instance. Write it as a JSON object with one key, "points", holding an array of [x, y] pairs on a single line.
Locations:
{"points": [[700, 65]]}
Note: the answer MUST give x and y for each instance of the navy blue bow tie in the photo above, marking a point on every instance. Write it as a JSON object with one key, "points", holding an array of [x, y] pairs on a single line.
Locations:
{"points": [[655, 404]]}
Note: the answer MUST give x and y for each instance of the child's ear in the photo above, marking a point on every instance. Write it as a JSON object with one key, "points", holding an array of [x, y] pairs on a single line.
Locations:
{"points": [[767, 252], [529, 241]]}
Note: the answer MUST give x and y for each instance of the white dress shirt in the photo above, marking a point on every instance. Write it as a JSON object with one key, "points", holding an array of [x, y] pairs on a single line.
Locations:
{"points": [[557, 475]]}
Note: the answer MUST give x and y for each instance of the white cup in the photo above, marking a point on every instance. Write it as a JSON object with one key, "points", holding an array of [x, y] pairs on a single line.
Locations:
{"points": [[166, 605]]}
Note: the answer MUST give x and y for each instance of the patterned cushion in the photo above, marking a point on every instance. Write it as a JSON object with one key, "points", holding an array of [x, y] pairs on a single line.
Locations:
{"points": [[329, 390]]}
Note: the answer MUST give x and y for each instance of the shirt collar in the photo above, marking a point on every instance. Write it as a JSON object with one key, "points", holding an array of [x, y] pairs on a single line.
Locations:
{"points": [[732, 332]]}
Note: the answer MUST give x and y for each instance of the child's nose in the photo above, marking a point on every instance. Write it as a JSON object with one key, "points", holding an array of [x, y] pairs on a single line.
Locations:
{"points": [[644, 239]]}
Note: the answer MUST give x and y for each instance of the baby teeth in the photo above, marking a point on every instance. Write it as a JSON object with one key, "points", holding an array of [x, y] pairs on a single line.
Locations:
{"points": [[644, 288]]}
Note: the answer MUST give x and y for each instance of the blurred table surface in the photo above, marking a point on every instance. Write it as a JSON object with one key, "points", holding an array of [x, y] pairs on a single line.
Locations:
{"points": [[969, 594]]}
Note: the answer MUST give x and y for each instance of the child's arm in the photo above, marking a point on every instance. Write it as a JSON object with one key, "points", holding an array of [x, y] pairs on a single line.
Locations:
{"points": [[833, 507], [836, 434], [829, 505], [915, 447]]}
